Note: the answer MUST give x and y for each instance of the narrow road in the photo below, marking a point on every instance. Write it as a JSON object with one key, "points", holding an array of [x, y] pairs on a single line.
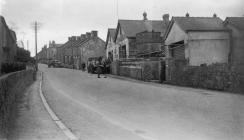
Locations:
{"points": [[113, 109]]}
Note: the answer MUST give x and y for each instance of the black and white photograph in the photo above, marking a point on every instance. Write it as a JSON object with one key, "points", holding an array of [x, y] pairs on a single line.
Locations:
{"points": [[121, 70]]}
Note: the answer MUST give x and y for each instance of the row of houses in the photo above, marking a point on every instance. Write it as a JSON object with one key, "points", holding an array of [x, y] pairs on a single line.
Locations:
{"points": [[76, 51], [48, 53], [136, 38], [186, 40], [8, 46], [206, 35], [166, 50]]}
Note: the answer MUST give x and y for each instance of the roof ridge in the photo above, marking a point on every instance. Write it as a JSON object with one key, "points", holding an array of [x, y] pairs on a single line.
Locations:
{"points": [[193, 17], [137, 20], [235, 17]]}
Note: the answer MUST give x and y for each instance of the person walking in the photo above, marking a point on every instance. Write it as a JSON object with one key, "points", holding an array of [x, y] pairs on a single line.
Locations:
{"points": [[99, 69], [104, 69]]}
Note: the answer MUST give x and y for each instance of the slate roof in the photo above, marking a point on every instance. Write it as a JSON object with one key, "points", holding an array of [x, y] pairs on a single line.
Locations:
{"points": [[13, 35], [237, 22], [199, 23], [74, 43], [111, 32], [132, 27], [196, 24], [58, 45]]}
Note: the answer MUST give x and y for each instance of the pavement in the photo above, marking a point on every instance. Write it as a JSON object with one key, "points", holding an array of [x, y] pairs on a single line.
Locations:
{"points": [[114, 109], [33, 121]]}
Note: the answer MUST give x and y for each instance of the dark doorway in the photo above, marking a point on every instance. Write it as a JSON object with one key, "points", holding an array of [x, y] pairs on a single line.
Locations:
{"points": [[122, 52], [163, 72]]}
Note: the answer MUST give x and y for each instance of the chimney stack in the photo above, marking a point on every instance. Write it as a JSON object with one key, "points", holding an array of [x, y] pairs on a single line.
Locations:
{"points": [[214, 15], [88, 35], [83, 36], [187, 14], [144, 16], [94, 33], [69, 38], [78, 38], [73, 38], [166, 18]]}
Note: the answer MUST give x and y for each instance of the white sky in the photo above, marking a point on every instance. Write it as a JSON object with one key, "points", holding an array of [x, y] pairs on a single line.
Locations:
{"points": [[63, 18]]}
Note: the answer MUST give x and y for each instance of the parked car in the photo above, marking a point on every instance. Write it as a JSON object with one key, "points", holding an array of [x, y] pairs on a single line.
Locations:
{"points": [[55, 64]]}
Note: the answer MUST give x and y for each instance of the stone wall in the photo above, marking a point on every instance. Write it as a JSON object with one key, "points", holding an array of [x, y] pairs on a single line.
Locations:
{"points": [[11, 86], [216, 76], [146, 70]]}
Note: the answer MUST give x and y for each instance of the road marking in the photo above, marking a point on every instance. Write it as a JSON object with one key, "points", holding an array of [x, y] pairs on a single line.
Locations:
{"points": [[54, 117]]}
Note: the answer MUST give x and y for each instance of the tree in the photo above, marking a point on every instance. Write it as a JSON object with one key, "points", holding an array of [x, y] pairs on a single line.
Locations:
{"points": [[23, 55]]}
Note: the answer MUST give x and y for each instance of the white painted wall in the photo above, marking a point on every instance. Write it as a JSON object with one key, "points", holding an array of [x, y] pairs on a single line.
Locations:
{"points": [[176, 34], [201, 47], [110, 47], [122, 41], [207, 48]]}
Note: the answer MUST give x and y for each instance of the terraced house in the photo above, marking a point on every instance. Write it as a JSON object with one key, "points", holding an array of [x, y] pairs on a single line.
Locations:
{"points": [[79, 49], [52, 50], [8, 46]]}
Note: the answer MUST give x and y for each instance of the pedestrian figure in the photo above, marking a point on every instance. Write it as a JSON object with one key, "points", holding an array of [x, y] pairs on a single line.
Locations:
{"points": [[99, 69], [104, 69], [83, 66]]}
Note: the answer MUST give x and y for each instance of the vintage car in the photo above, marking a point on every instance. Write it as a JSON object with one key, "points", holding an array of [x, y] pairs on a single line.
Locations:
{"points": [[55, 64]]}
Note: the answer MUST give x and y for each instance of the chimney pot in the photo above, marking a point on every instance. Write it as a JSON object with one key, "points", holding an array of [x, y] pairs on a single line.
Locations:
{"points": [[214, 15], [166, 18], [144, 16]]}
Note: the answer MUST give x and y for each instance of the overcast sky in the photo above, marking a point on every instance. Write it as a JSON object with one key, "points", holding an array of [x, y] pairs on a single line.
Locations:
{"points": [[63, 18]]}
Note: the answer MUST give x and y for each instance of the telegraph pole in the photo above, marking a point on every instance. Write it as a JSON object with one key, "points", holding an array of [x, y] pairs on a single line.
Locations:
{"points": [[36, 27], [36, 45], [27, 44]]}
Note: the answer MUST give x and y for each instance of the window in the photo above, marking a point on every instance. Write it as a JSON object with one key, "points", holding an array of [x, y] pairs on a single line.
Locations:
{"points": [[122, 51]]}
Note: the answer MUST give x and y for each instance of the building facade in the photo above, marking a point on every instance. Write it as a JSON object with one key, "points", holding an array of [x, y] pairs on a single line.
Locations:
{"points": [[42, 55], [52, 50], [8, 46], [135, 38], [79, 49], [110, 45], [196, 41], [199, 40], [236, 25]]}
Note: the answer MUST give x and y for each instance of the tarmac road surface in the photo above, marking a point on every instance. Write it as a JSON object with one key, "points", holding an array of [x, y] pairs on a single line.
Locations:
{"points": [[113, 109]]}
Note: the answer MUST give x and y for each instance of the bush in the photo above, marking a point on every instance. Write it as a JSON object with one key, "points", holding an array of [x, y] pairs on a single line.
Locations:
{"points": [[12, 67]]}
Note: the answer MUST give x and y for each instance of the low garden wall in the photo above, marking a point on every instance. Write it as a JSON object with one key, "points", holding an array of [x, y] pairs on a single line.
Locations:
{"points": [[11, 86], [216, 76], [146, 70]]}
